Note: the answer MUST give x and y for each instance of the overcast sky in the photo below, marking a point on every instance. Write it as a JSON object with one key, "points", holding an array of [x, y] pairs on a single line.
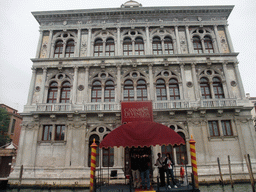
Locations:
{"points": [[19, 38]]}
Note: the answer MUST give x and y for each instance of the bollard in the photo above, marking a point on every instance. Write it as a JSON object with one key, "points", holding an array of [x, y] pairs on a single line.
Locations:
{"points": [[192, 143], [93, 164]]}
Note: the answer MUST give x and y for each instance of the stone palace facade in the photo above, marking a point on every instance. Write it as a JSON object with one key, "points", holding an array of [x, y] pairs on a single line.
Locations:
{"points": [[88, 61]]}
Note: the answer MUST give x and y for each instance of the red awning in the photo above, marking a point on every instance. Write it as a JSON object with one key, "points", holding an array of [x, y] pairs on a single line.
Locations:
{"points": [[144, 133]]}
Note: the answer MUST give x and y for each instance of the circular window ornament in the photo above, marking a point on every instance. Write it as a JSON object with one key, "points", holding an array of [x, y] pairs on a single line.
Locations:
{"points": [[189, 84], [166, 73], [37, 88], [209, 72], [233, 83], [101, 129], [103, 75], [134, 74], [60, 76], [80, 88]]}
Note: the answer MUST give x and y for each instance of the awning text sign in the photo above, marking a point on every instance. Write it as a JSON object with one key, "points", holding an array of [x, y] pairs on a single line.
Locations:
{"points": [[136, 111]]}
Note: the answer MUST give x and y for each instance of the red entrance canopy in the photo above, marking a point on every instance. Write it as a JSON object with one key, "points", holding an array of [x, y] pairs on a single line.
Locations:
{"points": [[141, 133]]}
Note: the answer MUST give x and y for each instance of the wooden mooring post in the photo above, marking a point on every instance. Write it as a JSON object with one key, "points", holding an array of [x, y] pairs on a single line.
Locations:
{"points": [[230, 172], [221, 178], [249, 166]]}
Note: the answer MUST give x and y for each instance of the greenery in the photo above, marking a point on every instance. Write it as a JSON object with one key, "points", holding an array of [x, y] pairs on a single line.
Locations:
{"points": [[4, 125]]}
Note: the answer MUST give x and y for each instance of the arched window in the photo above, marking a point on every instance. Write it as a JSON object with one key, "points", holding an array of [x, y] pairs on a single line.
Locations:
{"points": [[168, 46], [142, 94], [96, 91], [161, 90], [110, 47], [157, 46], [205, 88], [217, 87], [197, 45], [181, 152], [139, 46], [97, 141], [52, 93], [127, 46], [109, 93], [208, 45], [174, 89], [98, 47], [108, 156], [65, 93], [70, 49], [167, 149], [128, 90], [58, 49]]}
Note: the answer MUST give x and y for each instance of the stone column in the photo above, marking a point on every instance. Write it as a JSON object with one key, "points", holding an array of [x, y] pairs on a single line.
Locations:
{"points": [[39, 45], [203, 46], [74, 85], [118, 84], [78, 43], [240, 84], [151, 82], [229, 92], [69, 133], [31, 87], [21, 146], [148, 49], [212, 90], [86, 96], [34, 145], [178, 39], [89, 42], [118, 41], [196, 87], [229, 39], [184, 90], [41, 96], [190, 47], [49, 44], [217, 38]]}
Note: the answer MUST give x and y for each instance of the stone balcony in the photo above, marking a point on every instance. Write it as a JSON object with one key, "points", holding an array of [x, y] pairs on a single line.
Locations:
{"points": [[157, 105]]}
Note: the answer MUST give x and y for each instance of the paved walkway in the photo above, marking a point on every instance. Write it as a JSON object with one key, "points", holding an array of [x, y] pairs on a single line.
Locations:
{"points": [[126, 188]]}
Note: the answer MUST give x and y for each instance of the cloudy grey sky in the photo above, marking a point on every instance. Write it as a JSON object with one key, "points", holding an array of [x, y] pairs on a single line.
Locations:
{"points": [[19, 37]]}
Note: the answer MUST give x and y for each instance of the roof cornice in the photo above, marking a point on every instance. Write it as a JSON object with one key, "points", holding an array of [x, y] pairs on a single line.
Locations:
{"points": [[225, 10]]}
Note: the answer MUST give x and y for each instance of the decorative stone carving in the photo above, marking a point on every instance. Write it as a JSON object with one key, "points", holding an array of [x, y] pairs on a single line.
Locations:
{"points": [[70, 117], [237, 112], [202, 113], [53, 117], [189, 113], [37, 89], [233, 83], [80, 88], [189, 84], [172, 114], [219, 113]]}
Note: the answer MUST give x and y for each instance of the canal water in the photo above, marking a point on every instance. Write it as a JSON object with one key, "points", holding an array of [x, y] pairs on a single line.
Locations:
{"points": [[213, 188]]}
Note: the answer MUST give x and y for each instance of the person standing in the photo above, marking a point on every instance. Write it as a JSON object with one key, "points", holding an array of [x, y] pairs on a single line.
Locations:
{"points": [[144, 170], [160, 164], [135, 170], [169, 171]]}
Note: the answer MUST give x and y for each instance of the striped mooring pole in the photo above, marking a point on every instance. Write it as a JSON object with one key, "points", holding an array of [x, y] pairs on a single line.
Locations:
{"points": [[93, 163], [192, 143]]}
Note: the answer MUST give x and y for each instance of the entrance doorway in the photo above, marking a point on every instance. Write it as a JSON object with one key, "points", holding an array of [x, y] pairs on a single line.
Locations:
{"points": [[139, 150]]}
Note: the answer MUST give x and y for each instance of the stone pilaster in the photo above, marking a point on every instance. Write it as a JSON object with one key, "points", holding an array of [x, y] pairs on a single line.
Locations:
{"points": [[39, 45], [32, 86]]}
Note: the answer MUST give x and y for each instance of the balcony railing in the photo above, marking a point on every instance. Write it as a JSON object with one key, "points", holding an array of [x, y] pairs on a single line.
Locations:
{"points": [[218, 103], [54, 107], [177, 104], [102, 106], [171, 105]]}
